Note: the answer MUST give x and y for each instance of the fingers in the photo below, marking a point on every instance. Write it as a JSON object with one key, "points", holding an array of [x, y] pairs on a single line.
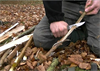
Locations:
{"points": [[60, 32], [89, 6], [59, 29], [63, 31], [88, 3], [92, 7], [95, 11]]}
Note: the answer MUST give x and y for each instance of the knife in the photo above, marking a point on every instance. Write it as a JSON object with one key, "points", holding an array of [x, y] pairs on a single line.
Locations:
{"points": [[69, 27]]}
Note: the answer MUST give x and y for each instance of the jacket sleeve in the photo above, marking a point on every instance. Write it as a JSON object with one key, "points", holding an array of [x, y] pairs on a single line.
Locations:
{"points": [[53, 10]]}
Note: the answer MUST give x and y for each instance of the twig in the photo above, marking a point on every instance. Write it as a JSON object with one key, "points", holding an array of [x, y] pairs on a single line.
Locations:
{"points": [[63, 38], [26, 32], [4, 56], [1, 53], [37, 54], [13, 53], [21, 54]]}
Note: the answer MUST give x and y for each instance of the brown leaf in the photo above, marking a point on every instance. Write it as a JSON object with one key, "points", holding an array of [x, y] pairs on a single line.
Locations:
{"points": [[61, 57], [29, 64], [47, 64], [41, 57], [86, 66], [34, 50], [6, 68], [73, 65], [77, 59], [66, 62], [34, 63], [28, 51], [74, 60], [83, 54], [41, 68]]}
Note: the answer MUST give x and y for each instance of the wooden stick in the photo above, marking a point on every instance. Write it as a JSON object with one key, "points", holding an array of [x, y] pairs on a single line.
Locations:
{"points": [[15, 42], [1, 53], [18, 59], [10, 33], [26, 32], [63, 38], [4, 56], [13, 53]]}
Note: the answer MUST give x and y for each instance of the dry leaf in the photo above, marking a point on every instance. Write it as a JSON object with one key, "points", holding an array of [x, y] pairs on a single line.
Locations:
{"points": [[29, 64], [86, 66], [34, 63], [47, 64], [77, 59], [73, 65], [41, 68], [28, 51], [83, 54]]}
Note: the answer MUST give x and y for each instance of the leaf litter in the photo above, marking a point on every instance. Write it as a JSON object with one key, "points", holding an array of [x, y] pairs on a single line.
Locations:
{"points": [[75, 54]]}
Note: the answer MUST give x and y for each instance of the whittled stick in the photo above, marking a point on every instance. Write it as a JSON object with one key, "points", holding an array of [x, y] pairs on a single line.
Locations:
{"points": [[54, 47]]}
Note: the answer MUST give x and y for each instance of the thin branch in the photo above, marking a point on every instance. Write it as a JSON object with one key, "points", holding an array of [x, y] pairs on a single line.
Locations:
{"points": [[4, 56], [26, 32]]}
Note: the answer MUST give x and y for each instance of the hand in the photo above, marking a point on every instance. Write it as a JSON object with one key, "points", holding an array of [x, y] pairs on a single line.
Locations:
{"points": [[92, 7], [59, 29]]}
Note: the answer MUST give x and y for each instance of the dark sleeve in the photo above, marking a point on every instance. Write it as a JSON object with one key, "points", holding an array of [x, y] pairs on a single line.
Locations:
{"points": [[53, 10]]}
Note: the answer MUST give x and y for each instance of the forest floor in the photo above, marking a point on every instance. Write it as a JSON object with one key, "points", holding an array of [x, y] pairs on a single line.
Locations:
{"points": [[29, 14]]}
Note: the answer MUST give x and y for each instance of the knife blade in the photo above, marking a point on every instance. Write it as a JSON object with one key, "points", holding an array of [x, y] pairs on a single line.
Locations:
{"points": [[76, 24]]}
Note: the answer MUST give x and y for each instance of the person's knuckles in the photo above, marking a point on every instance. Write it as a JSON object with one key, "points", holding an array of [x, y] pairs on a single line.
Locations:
{"points": [[61, 29], [93, 12], [96, 11], [55, 35], [58, 34], [62, 34]]}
